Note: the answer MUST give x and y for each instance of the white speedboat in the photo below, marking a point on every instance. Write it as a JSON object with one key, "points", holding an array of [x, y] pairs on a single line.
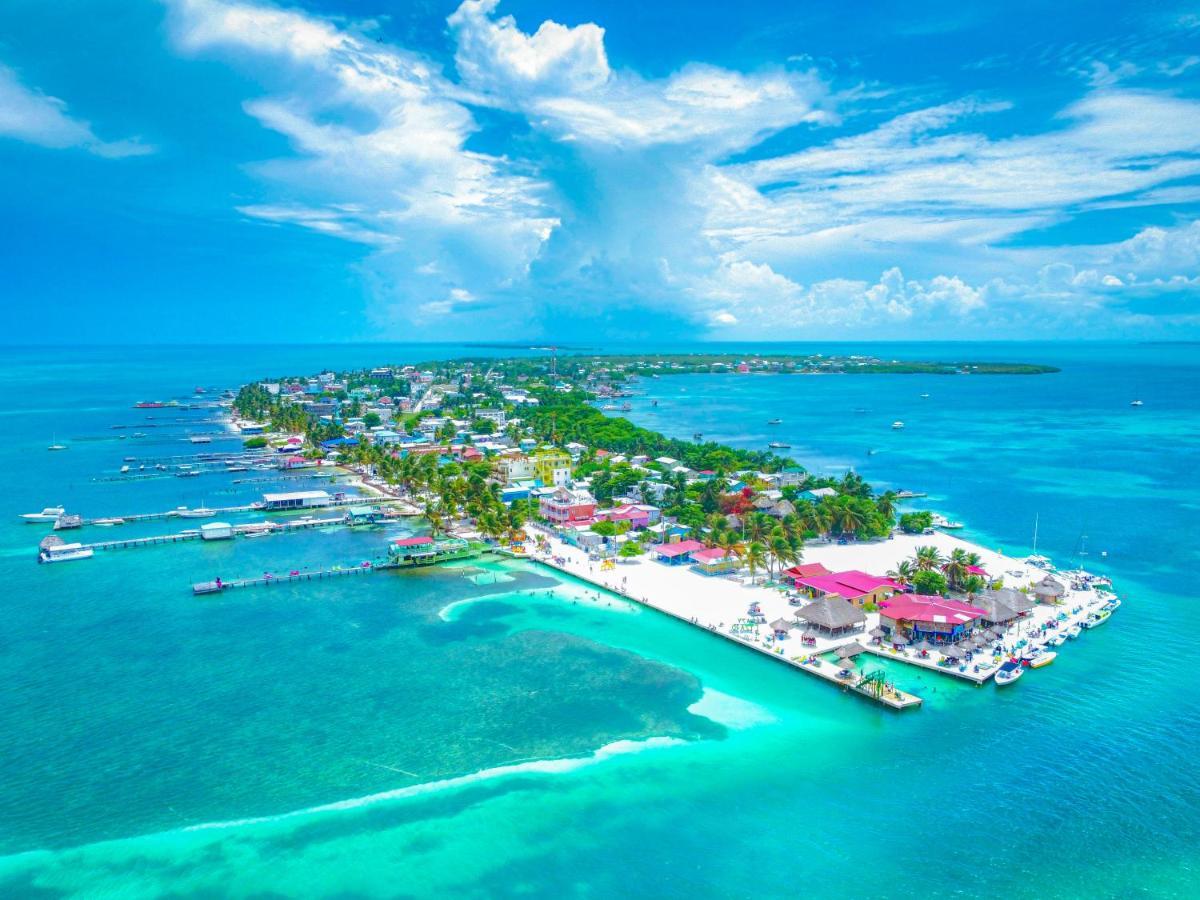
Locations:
{"points": [[200, 512], [1008, 673], [124, 469], [1037, 657], [63, 553], [110, 521], [1137, 403], [1098, 618], [57, 447], [49, 514], [897, 425], [1057, 641], [940, 521], [1074, 631]]}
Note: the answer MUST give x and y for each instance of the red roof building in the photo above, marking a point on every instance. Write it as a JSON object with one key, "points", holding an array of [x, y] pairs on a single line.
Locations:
{"points": [[855, 586], [929, 617]]}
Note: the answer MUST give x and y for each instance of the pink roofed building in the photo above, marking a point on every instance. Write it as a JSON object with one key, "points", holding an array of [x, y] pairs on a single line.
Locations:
{"points": [[805, 570], [638, 515], [857, 587], [676, 554], [714, 561], [929, 617]]}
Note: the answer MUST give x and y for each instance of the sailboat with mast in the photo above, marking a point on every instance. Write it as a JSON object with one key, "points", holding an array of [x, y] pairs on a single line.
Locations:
{"points": [[1033, 559]]}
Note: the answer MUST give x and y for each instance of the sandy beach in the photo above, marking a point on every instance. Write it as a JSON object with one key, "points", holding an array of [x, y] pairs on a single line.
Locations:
{"points": [[721, 603]]}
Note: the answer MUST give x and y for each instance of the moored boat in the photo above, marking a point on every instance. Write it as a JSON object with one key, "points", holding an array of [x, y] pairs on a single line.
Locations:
{"points": [[53, 550], [49, 514], [897, 425], [1008, 673], [200, 512], [1074, 631], [1098, 618], [779, 445]]}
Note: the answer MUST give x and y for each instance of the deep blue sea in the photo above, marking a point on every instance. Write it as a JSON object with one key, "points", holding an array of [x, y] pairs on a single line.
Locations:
{"points": [[497, 729]]}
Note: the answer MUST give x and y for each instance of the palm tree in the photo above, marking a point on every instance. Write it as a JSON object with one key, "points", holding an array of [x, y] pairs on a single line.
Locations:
{"points": [[781, 550], [755, 557], [846, 518], [886, 503], [903, 573], [955, 568], [927, 559], [972, 585]]}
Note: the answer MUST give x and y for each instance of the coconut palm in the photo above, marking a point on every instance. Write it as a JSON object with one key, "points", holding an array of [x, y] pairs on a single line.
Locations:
{"points": [[886, 504], [927, 559], [903, 572], [756, 556], [955, 567]]}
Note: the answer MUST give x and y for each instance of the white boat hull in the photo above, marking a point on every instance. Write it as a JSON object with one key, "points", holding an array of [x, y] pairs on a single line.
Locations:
{"points": [[64, 557]]}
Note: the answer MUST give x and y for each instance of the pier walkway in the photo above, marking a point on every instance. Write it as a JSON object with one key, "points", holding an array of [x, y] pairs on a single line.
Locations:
{"points": [[217, 587]]}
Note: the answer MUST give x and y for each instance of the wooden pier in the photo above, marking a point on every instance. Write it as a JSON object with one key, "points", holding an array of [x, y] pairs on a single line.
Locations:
{"points": [[361, 500], [219, 586], [238, 530]]}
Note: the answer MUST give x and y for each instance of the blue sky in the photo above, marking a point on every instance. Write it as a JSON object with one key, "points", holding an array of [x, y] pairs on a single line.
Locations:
{"points": [[231, 170]]}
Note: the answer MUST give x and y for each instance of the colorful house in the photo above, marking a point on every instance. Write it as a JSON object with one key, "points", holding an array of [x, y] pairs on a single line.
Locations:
{"points": [[931, 618], [714, 561], [552, 467], [567, 505], [638, 515], [677, 554], [857, 587], [805, 570]]}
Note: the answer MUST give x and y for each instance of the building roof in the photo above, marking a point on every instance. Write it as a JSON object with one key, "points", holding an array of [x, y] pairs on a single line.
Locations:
{"points": [[782, 625], [831, 612], [1013, 599], [710, 555], [806, 570], [994, 609], [932, 609], [296, 495], [412, 542], [677, 549], [851, 583]]}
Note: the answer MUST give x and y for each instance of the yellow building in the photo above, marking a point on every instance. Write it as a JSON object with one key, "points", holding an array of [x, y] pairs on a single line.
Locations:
{"points": [[552, 467]]}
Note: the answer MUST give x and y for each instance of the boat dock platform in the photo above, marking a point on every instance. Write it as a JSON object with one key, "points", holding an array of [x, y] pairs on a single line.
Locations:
{"points": [[238, 530], [362, 500], [932, 666], [895, 699]]}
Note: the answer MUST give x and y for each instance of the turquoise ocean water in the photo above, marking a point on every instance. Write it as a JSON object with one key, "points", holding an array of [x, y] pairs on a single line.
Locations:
{"points": [[499, 730]]}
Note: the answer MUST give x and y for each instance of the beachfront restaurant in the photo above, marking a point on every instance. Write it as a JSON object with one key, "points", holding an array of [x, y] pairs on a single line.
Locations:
{"points": [[714, 561], [1049, 590], [832, 616], [921, 617], [676, 554]]}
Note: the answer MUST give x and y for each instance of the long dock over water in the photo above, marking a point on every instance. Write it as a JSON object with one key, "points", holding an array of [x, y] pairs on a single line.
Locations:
{"points": [[406, 509], [217, 587]]}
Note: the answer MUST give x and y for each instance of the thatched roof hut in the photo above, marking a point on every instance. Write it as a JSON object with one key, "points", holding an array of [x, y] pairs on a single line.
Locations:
{"points": [[832, 614]]}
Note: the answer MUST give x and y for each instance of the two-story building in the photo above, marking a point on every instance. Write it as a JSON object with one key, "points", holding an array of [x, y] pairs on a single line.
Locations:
{"points": [[567, 505]]}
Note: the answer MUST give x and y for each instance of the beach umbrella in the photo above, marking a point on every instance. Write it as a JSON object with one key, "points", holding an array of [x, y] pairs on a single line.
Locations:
{"points": [[965, 648], [898, 639], [845, 652], [848, 663], [922, 646], [877, 632], [951, 651]]}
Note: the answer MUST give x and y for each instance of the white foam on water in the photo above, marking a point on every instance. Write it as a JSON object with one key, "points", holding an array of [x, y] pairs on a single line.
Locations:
{"points": [[732, 712], [530, 767]]}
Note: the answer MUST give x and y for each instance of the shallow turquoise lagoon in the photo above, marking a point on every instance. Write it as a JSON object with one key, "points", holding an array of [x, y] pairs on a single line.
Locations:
{"points": [[500, 730]]}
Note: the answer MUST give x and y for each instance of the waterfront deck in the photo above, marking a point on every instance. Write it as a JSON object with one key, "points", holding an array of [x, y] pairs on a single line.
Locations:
{"points": [[216, 587]]}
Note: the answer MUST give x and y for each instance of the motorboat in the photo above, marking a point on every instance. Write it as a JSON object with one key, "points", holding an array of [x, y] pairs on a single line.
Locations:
{"points": [[940, 521], [187, 473], [775, 422], [49, 514], [897, 425], [1074, 631], [1137, 403], [61, 552], [1098, 618], [124, 469], [779, 445], [924, 396], [109, 521], [1037, 657], [1040, 562], [200, 512], [1008, 673], [57, 447]]}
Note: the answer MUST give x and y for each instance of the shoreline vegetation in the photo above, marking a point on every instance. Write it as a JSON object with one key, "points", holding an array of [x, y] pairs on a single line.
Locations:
{"points": [[467, 402]]}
